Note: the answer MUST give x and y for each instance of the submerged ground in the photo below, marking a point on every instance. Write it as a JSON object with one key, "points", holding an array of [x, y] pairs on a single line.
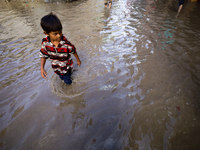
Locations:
{"points": [[137, 88]]}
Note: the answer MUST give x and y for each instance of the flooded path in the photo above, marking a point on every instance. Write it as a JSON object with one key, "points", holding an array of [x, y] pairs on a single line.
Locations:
{"points": [[138, 86]]}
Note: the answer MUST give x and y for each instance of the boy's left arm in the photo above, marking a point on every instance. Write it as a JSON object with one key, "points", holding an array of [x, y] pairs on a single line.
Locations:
{"points": [[77, 58]]}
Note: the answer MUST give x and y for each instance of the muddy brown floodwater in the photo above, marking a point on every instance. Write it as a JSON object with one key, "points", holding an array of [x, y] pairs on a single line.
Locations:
{"points": [[138, 87]]}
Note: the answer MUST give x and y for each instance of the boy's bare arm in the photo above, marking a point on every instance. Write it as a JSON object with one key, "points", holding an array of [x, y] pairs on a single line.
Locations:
{"points": [[42, 71], [77, 58]]}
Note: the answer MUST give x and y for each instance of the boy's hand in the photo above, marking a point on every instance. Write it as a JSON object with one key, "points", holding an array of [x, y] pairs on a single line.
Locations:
{"points": [[43, 74], [79, 63], [77, 58]]}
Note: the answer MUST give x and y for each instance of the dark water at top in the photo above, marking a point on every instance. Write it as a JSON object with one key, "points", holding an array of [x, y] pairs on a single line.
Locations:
{"points": [[138, 86]]}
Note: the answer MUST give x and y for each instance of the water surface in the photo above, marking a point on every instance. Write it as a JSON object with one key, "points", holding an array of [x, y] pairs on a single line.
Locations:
{"points": [[137, 88]]}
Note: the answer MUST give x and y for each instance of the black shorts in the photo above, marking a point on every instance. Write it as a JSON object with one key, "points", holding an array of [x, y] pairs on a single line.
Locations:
{"points": [[181, 2]]}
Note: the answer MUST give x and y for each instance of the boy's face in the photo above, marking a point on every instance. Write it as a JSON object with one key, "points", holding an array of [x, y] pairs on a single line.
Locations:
{"points": [[55, 36]]}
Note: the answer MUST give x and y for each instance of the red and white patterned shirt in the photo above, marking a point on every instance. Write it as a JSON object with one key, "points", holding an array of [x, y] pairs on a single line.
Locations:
{"points": [[60, 56]]}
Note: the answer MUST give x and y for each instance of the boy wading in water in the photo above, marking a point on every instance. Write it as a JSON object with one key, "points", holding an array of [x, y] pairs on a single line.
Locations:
{"points": [[56, 47]]}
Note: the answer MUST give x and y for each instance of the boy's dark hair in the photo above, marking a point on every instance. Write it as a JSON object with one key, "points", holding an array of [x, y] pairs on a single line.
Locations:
{"points": [[50, 23]]}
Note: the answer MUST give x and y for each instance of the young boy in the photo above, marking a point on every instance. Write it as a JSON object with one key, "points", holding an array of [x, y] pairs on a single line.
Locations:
{"points": [[56, 47]]}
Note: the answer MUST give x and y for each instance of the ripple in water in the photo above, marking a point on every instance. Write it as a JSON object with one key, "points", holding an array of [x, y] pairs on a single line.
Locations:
{"points": [[59, 87]]}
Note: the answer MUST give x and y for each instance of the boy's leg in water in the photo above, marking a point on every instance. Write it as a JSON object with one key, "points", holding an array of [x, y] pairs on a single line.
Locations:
{"points": [[68, 79], [61, 77]]}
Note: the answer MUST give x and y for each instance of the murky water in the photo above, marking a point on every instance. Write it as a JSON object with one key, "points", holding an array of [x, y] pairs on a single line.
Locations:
{"points": [[138, 86]]}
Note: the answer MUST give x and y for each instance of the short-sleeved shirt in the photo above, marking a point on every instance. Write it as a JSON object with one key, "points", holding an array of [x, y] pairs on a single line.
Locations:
{"points": [[60, 56]]}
